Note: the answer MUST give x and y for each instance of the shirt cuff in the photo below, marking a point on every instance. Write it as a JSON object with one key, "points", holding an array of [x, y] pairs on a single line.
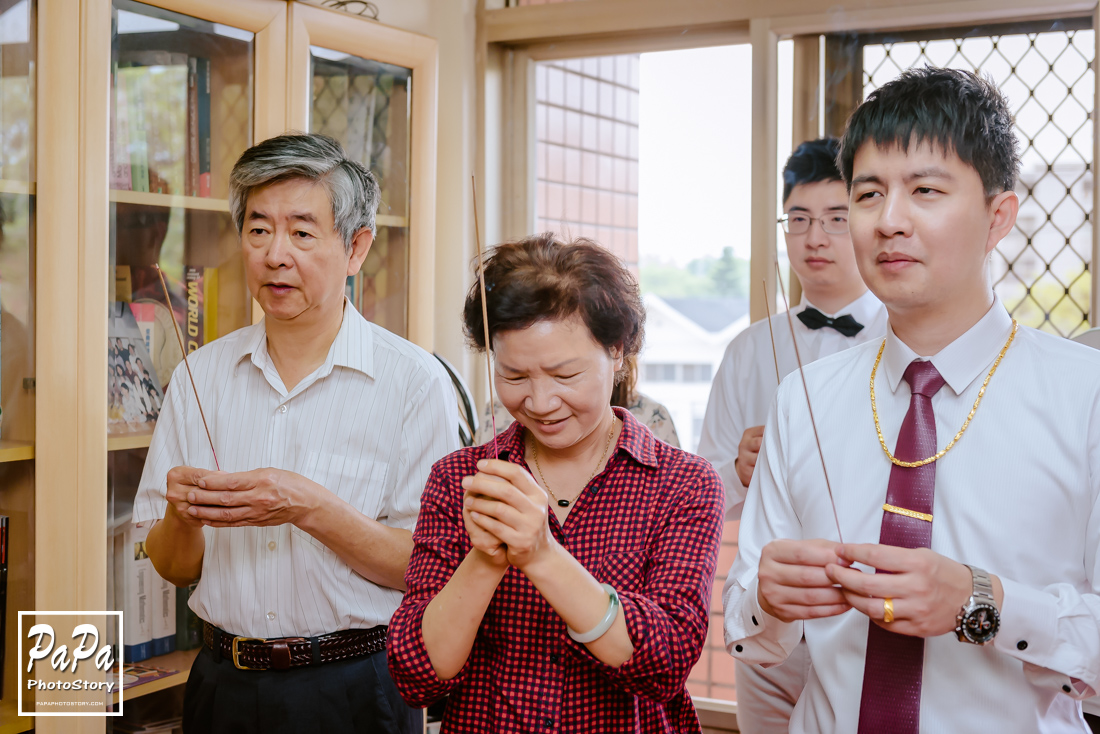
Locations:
{"points": [[765, 640], [1029, 621]]}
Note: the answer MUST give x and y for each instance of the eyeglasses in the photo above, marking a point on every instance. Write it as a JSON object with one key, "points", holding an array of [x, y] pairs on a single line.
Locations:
{"points": [[798, 223]]}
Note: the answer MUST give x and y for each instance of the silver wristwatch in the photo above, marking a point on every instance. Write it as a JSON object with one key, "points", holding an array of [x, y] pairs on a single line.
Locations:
{"points": [[978, 620]]}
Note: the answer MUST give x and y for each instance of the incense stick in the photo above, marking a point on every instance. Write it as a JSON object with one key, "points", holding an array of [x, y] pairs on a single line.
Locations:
{"points": [[805, 389], [485, 320], [768, 306], [179, 337]]}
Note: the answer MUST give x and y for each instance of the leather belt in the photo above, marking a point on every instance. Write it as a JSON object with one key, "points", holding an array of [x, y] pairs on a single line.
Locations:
{"points": [[253, 653]]}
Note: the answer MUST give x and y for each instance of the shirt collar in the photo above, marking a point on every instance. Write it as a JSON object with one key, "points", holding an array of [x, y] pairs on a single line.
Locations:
{"points": [[353, 346], [863, 309], [961, 361], [634, 439]]}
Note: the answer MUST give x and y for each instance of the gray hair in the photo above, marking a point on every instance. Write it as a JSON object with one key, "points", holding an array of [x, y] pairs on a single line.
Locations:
{"points": [[352, 188]]}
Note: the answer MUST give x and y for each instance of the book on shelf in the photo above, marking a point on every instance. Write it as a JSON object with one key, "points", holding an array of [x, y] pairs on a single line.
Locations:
{"points": [[160, 123], [188, 624], [134, 394], [202, 306], [203, 125], [119, 134], [4, 525], [130, 80], [133, 588], [164, 615]]}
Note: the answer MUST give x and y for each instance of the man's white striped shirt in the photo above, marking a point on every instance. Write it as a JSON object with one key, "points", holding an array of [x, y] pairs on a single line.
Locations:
{"points": [[368, 424]]}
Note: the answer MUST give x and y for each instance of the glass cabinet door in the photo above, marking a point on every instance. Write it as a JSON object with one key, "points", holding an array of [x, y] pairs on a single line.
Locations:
{"points": [[181, 113], [365, 105], [17, 313], [181, 91]]}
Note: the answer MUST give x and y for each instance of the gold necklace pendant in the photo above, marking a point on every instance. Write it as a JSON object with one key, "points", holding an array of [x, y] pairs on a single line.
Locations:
{"points": [[981, 393], [535, 456]]}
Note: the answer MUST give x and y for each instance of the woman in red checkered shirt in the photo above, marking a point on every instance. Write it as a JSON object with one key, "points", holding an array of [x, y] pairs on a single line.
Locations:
{"points": [[563, 584]]}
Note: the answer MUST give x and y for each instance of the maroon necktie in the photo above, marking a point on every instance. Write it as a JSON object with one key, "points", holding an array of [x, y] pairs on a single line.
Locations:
{"points": [[895, 663]]}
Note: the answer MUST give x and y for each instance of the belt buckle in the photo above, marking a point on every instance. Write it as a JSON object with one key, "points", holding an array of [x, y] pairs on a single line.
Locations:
{"points": [[236, 652]]}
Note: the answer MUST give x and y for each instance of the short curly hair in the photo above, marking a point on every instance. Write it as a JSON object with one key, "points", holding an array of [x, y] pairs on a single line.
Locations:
{"points": [[541, 278], [957, 111]]}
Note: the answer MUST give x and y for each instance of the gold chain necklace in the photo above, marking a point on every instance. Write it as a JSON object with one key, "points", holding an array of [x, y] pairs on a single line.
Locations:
{"points": [[535, 456], [966, 423]]}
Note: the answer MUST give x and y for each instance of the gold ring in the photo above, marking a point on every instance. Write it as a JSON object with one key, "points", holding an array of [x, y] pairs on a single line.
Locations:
{"points": [[887, 610]]}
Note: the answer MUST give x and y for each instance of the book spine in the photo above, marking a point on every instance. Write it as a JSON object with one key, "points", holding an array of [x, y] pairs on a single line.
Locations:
{"points": [[188, 624], [193, 281], [139, 151], [3, 594], [133, 585], [164, 615], [192, 185], [210, 305], [120, 134], [204, 126]]}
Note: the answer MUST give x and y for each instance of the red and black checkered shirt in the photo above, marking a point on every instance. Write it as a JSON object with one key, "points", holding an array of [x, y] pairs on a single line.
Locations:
{"points": [[649, 525]]}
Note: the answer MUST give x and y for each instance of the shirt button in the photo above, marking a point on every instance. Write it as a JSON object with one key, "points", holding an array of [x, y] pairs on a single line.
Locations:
{"points": [[754, 621], [271, 545], [1021, 645], [271, 615], [738, 648], [554, 658], [548, 722], [282, 408], [1066, 688]]}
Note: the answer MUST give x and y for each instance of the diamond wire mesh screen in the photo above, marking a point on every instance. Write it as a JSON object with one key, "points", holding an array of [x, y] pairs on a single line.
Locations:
{"points": [[1041, 270]]}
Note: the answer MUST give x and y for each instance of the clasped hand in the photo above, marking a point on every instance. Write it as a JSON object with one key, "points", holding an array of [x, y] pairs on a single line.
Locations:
{"points": [[810, 579], [505, 513], [221, 500]]}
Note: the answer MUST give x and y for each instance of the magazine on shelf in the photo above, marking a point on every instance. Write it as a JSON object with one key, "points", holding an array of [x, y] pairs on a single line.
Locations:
{"points": [[134, 394]]}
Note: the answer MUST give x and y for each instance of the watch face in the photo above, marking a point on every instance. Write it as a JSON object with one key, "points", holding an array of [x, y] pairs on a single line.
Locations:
{"points": [[980, 623]]}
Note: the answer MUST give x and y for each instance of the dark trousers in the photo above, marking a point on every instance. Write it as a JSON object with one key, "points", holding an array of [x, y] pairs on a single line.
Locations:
{"points": [[354, 696], [1093, 722]]}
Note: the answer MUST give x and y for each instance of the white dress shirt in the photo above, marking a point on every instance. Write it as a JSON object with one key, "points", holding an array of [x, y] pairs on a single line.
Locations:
{"points": [[367, 425], [744, 387], [1016, 496]]}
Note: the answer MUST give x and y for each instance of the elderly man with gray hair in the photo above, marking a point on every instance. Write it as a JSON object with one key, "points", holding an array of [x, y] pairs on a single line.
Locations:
{"points": [[326, 427]]}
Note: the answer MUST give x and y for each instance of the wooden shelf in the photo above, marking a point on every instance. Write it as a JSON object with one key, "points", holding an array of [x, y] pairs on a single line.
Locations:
{"points": [[10, 723], [129, 441], [16, 451], [389, 220], [179, 660], [170, 200], [9, 186]]}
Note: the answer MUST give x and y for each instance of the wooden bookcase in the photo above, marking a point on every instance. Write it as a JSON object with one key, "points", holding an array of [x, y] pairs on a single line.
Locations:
{"points": [[56, 452]]}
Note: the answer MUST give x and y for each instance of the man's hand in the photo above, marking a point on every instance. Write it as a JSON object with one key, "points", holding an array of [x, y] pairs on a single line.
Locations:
{"points": [[927, 589], [182, 481], [258, 497], [792, 582], [507, 503], [747, 453]]}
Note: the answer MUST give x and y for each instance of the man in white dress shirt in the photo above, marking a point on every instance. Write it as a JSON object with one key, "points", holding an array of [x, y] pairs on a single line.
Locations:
{"points": [[837, 312], [325, 427], [925, 477]]}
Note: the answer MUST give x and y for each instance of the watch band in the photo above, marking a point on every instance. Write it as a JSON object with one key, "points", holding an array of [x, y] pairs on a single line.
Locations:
{"points": [[983, 585]]}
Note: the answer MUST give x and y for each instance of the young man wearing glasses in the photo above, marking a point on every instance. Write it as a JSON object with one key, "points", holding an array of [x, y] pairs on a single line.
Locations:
{"points": [[837, 312]]}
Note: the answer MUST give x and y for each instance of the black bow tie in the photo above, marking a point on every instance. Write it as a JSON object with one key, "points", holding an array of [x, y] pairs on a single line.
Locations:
{"points": [[814, 319]]}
